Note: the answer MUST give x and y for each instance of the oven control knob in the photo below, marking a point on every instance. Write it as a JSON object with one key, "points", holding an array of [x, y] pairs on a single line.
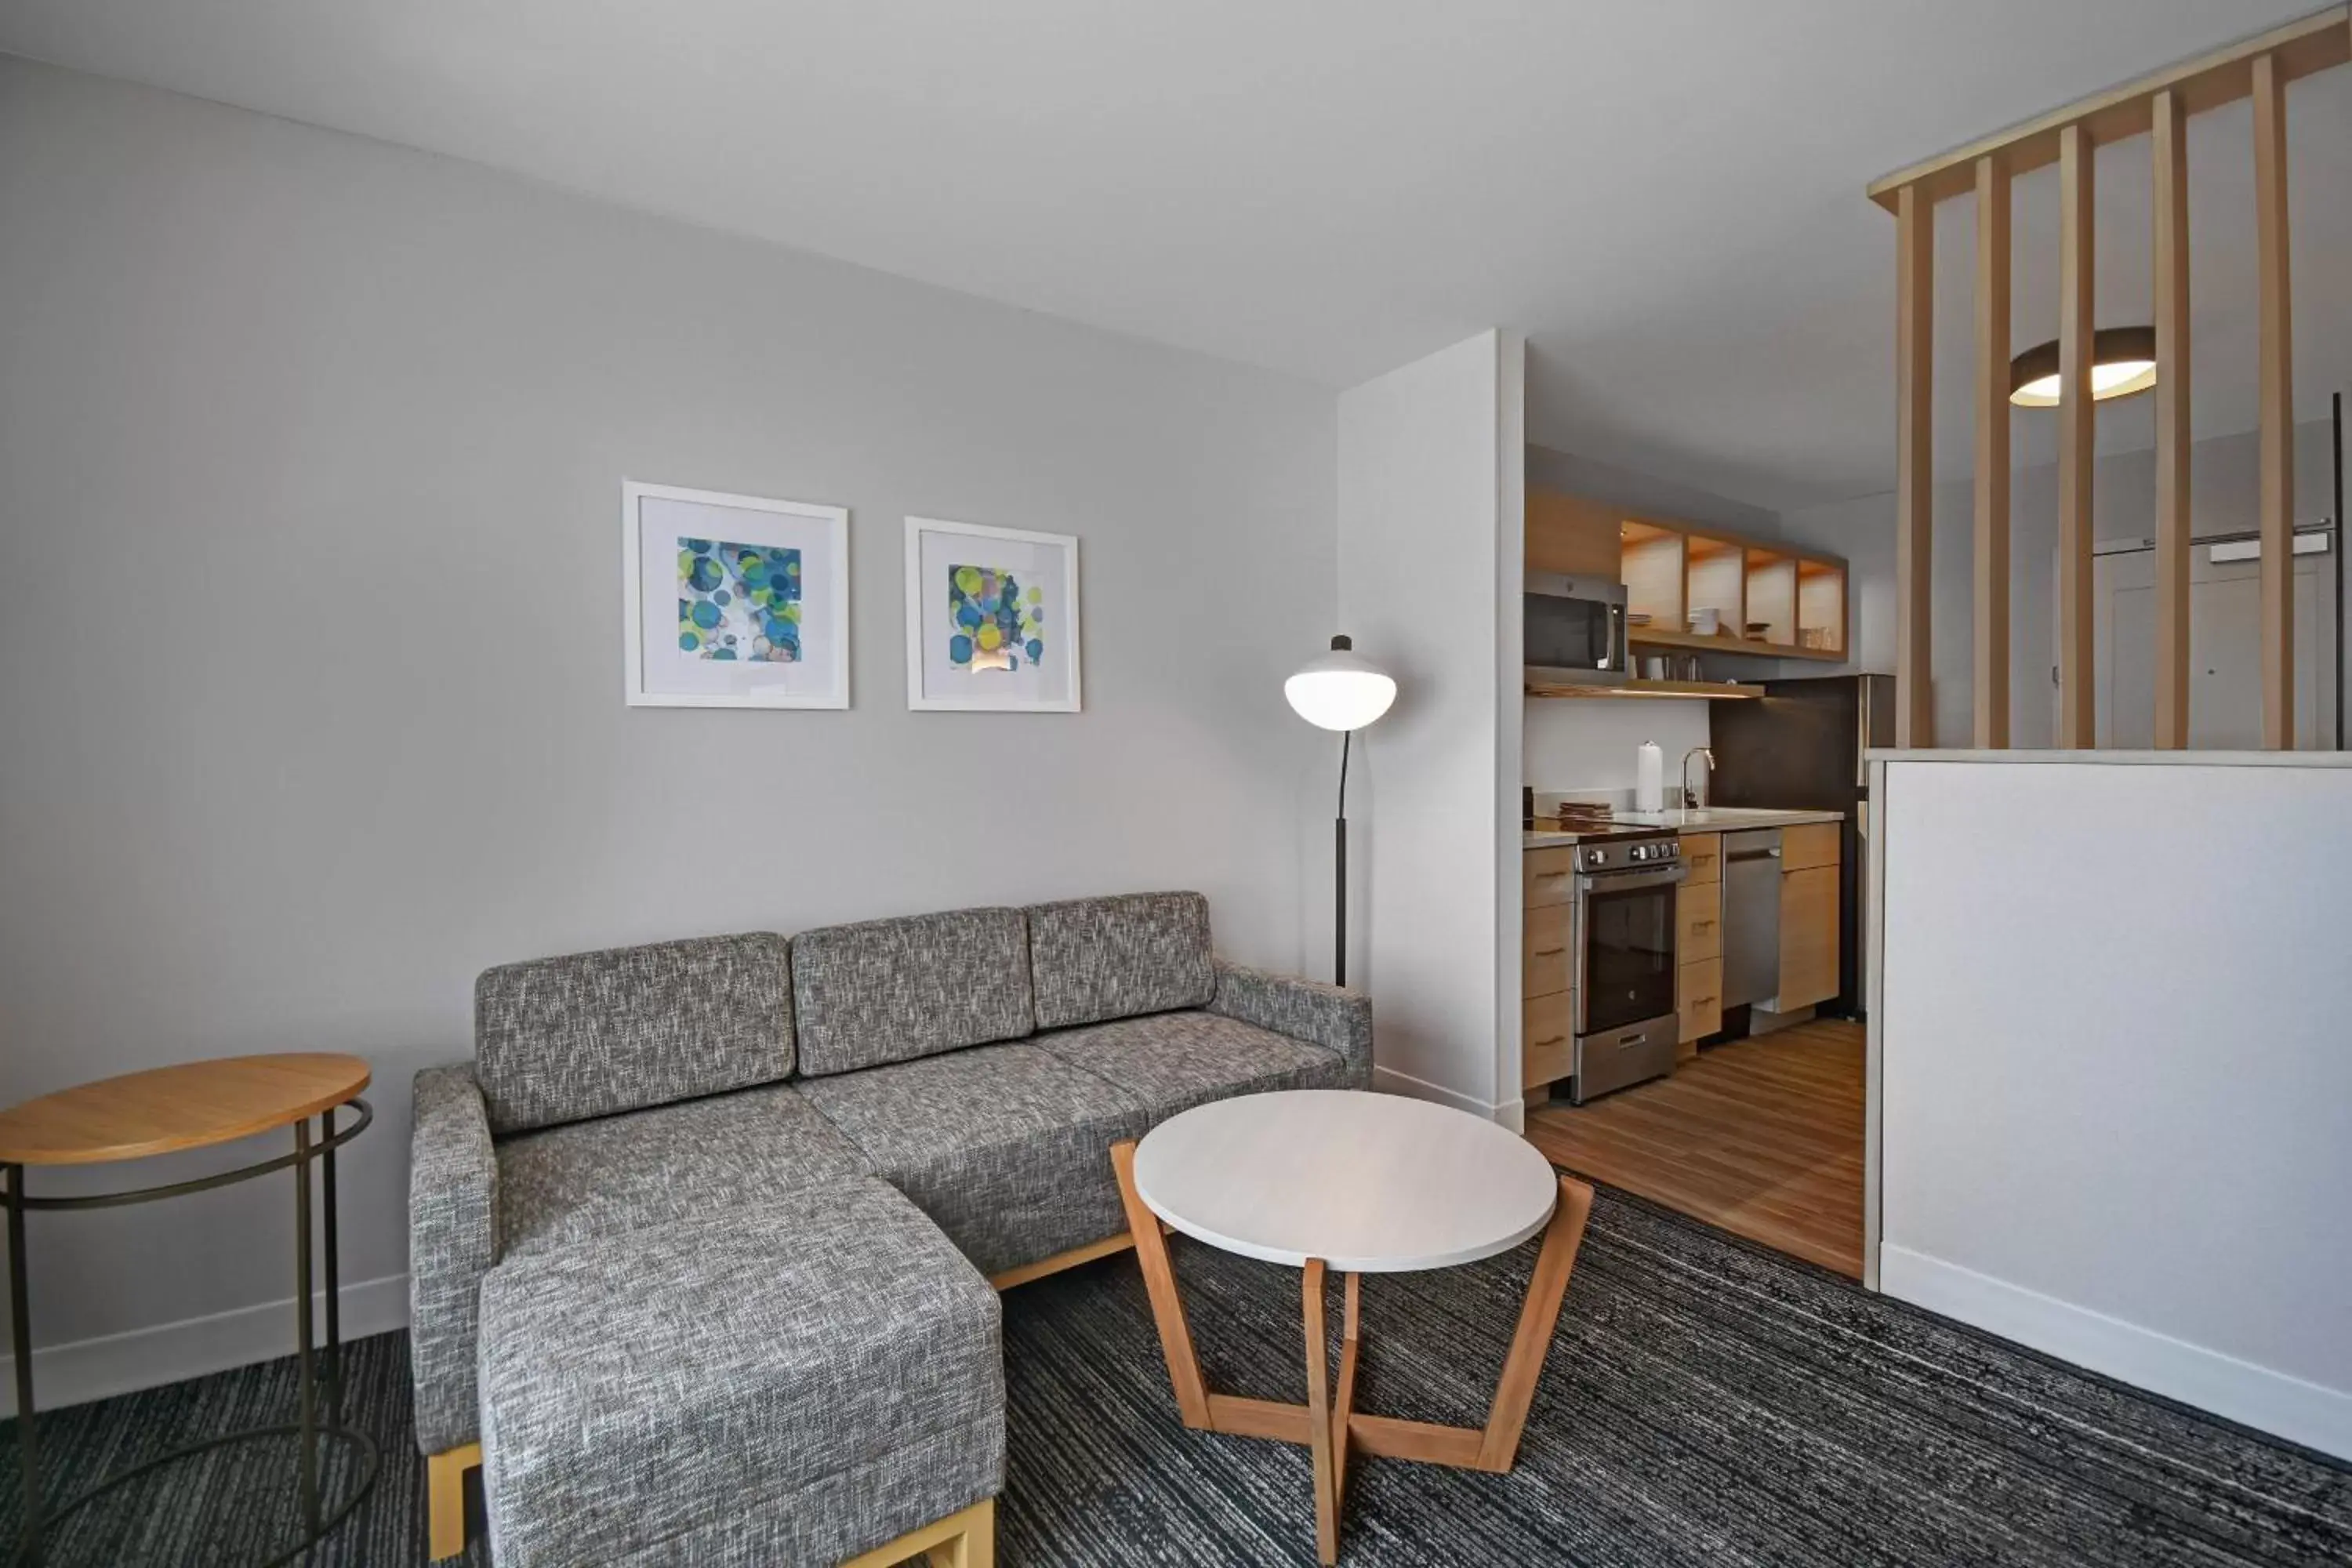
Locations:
{"points": [[1600, 856]]}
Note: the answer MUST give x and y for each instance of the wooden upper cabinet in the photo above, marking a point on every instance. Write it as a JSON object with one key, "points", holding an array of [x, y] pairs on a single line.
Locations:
{"points": [[1769, 598], [1572, 535]]}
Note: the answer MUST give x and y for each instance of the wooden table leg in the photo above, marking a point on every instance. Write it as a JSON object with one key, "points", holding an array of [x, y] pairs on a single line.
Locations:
{"points": [[1343, 1401], [1159, 1281], [1319, 1418], [1499, 1446]]}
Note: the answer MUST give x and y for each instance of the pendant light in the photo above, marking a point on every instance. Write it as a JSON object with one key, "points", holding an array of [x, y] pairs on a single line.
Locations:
{"points": [[2123, 361]]}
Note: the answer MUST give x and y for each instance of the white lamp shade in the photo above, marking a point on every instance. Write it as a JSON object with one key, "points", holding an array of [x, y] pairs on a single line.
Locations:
{"points": [[1339, 691]]}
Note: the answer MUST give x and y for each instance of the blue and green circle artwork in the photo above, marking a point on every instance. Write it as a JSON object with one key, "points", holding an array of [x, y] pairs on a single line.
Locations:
{"points": [[992, 620], [739, 601]]}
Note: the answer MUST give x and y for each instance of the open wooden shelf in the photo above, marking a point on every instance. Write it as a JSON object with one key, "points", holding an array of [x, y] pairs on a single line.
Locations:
{"points": [[1703, 688], [1691, 642]]}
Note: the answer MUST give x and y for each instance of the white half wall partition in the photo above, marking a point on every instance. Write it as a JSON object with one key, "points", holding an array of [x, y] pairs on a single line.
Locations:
{"points": [[2112, 1088], [1431, 513]]}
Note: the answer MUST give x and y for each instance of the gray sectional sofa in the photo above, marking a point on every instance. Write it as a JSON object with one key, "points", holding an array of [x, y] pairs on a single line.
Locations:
{"points": [[701, 1241]]}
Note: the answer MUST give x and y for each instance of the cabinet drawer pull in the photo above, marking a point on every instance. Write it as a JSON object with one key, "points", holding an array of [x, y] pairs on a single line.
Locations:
{"points": [[1554, 1040], [1549, 951], [1703, 1002], [1550, 875], [1701, 925]]}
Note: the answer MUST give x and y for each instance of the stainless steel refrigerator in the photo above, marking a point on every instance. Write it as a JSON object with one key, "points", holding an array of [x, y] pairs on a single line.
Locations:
{"points": [[1800, 747]]}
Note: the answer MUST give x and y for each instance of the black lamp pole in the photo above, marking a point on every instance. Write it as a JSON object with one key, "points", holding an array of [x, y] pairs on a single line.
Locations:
{"points": [[1340, 853]]}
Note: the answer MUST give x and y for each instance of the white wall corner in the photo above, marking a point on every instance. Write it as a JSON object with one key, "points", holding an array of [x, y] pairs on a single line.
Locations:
{"points": [[1510, 711], [1430, 479]]}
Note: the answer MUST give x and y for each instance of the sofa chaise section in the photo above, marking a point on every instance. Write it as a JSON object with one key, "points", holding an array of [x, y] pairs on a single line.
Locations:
{"points": [[791, 1384]]}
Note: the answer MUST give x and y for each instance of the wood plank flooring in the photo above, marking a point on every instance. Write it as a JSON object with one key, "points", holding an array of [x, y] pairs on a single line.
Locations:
{"points": [[1762, 1137]]}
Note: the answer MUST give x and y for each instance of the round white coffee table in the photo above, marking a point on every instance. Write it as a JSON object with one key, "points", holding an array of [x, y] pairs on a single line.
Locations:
{"points": [[1348, 1181]]}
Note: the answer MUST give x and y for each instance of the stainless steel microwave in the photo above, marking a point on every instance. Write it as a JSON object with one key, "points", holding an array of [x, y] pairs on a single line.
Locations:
{"points": [[1575, 629]]}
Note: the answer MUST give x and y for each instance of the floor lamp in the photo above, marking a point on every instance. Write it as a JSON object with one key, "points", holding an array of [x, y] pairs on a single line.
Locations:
{"points": [[1344, 691]]}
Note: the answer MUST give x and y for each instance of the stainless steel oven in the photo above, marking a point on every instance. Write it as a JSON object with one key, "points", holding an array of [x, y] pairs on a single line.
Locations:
{"points": [[1575, 629], [1622, 930]]}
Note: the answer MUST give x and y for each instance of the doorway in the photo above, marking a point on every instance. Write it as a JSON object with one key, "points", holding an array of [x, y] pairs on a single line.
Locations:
{"points": [[2225, 667]]}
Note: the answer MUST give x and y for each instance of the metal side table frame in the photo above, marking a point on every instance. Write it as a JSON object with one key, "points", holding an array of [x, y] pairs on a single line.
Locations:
{"points": [[307, 1150]]}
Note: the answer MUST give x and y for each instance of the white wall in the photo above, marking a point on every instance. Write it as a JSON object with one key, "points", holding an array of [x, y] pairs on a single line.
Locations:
{"points": [[1575, 474], [2115, 1098], [310, 456], [1574, 745], [2225, 496], [1431, 546]]}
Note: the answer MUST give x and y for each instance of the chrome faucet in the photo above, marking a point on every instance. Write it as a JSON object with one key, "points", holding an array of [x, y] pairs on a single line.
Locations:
{"points": [[1690, 796]]}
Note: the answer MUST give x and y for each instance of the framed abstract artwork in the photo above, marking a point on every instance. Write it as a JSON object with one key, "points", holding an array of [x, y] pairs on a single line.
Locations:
{"points": [[732, 601], [991, 618]]}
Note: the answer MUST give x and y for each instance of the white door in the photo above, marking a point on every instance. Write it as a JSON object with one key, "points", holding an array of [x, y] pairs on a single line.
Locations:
{"points": [[2225, 666]]}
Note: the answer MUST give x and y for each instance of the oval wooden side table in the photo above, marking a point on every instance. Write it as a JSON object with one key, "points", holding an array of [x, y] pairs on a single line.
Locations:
{"points": [[165, 1110]]}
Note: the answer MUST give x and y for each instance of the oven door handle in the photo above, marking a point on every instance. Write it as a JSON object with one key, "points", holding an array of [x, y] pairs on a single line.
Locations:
{"points": [[1590, 882]]}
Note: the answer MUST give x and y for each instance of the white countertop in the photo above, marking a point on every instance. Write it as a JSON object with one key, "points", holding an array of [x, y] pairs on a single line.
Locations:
{"points": [[1706, 819]]}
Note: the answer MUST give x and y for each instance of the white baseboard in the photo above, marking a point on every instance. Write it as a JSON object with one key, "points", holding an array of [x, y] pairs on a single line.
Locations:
{"points": [[2307, 1413], [84, 1370], [1511, 1114]]}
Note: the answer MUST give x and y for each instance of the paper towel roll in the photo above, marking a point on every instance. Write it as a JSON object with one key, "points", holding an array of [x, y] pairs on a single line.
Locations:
{"points": [[1649, 778]]}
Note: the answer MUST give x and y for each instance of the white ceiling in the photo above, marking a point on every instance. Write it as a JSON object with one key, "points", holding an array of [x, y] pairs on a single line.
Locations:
{"points": [[1665, 194]]}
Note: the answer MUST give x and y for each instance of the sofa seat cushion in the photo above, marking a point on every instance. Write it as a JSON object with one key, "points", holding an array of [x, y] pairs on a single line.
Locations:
{"points": [[889, 990], [794, 1381], [1091, 959], [1007, 1147], [1174, 1061], [559, 1039], [651, 1168]]}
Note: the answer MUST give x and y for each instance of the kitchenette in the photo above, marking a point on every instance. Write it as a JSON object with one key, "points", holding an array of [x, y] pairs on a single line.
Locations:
{"points": [[1643, 930], [1693, 810]]}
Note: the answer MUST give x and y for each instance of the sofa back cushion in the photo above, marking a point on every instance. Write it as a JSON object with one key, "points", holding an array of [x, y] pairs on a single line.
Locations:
{"points": [[591, 1034], [1091, 959], [890, 990]]}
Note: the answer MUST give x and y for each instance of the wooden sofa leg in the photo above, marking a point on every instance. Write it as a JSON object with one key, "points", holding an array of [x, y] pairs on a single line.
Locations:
{"points": [[966, 1539], [445, 1499]]}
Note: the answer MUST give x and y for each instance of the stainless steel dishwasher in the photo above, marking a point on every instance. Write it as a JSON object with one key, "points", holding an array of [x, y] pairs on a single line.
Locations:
{"points": [[1751, 916]]}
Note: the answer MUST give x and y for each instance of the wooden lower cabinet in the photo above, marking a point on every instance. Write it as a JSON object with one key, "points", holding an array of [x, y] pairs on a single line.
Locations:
{"points": [[1547, 1039], [1808, 936], [1543, 950], [1698, 942], [1698, 996], [1547, 1043]]}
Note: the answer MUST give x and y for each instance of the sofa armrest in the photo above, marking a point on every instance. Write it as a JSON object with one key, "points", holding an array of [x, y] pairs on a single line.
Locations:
{"points": [[1328, 1016], [452, 1210]]}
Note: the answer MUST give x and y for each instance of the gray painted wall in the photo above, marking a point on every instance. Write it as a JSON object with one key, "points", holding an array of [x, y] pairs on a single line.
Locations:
{"points": [[310, 456], [1571, 473], [2225, 488]]}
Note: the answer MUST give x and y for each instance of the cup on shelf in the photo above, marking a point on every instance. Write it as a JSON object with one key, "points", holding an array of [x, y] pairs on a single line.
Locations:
{"points": [[1706, 623]]}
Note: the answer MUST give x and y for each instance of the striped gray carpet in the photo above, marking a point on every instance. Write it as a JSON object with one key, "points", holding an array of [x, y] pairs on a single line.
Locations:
{"points": [[1704, 1402]]}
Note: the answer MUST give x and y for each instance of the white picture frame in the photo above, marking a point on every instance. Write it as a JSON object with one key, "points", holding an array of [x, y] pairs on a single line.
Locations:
{"points": [[1040, 673], [737, 665]]}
